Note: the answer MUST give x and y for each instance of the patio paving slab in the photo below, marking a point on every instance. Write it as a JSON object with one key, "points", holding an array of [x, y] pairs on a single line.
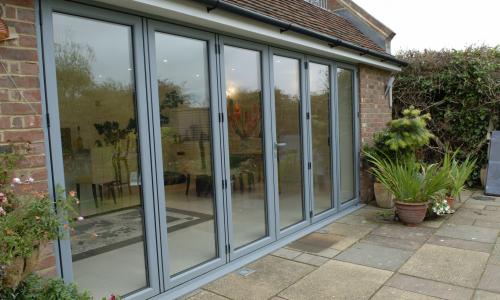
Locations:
{"points": [[495, 255], [375, 256], [392, 293], [491, 279], [479, 214], [353, 231], [311, 259], [337, 279], [367, 220], [445, 264], [429, 287], [316, 242], [487, 224], [328, 253], [468, 232], [461, 244], [206, 295], [417, 234], [392, 242], [286, 253], [484, 295], [272, 274], [460, 220], [492, 207]]}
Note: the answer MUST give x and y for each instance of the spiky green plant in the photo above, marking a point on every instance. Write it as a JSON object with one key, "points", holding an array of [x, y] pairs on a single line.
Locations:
{"points": [[458, 172], [408, 180]]}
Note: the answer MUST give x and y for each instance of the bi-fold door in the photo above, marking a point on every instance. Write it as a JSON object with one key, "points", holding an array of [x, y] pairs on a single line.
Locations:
{"points": [[187, 149]]}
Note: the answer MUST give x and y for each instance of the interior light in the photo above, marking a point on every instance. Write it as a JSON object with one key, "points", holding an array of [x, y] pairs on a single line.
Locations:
{"points": [[165, 60]]}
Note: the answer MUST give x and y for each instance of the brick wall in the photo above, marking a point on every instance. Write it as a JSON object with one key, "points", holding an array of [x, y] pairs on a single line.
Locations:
{"points": [[20, 104], [375, 113]]}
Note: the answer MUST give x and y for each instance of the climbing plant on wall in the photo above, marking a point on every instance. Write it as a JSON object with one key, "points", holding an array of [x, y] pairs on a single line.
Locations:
{"points": [[461, 90]]}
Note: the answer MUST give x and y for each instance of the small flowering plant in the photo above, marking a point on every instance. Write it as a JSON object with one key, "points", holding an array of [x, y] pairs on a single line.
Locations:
{"points": [[27, 217], [440, 207]]}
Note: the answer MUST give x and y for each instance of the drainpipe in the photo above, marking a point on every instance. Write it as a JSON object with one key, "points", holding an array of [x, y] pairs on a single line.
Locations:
{"points": [[285, 26]]}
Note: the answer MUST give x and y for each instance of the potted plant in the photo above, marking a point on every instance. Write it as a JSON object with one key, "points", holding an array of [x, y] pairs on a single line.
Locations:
{"points": [[413, 184], [458, 172], [27, 222], [402, 138]]}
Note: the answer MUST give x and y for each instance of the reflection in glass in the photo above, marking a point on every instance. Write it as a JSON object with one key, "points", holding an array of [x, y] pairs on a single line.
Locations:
{"points": [[319, 89], [246, 149], [346, 129], [184, 99], [100, 152], [287, 105]]}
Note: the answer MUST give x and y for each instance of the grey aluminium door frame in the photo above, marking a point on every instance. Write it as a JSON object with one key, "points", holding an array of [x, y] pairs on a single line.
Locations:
{"points": [[51, 101], [267, 141], [209, 38], [334, 146], [304, 124], [356, 137]]}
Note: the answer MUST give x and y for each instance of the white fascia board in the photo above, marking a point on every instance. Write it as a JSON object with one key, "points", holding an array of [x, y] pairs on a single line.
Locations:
{"points": [[195, 14]]}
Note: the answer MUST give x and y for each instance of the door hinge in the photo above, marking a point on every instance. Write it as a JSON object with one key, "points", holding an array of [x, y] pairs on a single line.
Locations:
{"points": [[47, 120], [311, 214], [308, 115], [309, 165], [228, 248], [306, 64], [224, 184], [221, 118]]}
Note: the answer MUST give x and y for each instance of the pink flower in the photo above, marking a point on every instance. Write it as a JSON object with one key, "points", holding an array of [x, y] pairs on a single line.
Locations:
{"points": [[2, 211], [80, 218], [29, 180], [16, 180]]}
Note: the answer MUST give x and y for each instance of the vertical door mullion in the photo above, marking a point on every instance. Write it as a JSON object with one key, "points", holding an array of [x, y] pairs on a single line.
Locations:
{"points": [[336, 148]]}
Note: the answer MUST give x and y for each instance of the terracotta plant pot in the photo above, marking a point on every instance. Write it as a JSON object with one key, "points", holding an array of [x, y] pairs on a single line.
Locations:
{"points": [[412, 214], [383, 196], [482, 175], [451, 201], [20, 268]]}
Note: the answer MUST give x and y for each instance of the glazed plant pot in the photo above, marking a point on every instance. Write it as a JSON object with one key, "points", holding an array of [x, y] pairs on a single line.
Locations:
{"points": [[412, 214], [383, 196]]}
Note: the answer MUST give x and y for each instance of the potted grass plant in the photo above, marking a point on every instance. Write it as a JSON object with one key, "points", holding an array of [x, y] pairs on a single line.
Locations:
{"points": [[413, 184], [459, 173]]}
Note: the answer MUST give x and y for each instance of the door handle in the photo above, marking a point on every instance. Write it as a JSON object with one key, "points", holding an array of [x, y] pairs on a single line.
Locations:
{"points": [[280, 145]]}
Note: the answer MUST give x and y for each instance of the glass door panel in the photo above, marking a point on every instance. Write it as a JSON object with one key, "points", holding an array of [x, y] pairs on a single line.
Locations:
{"points": [[99, 138], [243, 91], [346, 134], [287, 107], [319, 97], [182, 74]]}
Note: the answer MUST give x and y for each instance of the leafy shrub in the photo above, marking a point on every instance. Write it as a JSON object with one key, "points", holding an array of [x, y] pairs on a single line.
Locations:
{"points": [[35, 288], [460, 89]]}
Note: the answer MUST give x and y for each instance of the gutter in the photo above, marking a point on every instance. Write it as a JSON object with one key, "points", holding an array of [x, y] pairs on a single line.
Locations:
{"points": [[285, 26]]}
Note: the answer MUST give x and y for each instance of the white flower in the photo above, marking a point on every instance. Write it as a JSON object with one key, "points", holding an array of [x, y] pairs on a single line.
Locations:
{"points": [[30, 180], [16, 180], [2, 211], [80, 218]]}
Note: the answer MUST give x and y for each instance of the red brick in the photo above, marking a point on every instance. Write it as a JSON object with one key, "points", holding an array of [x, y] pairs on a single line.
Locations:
{"points": [[16, 108], [24, 3], [19, 54], [32, 95], [24, 135], [10, 12], [29, 68], [27, 15], [21, 81], [22, 27], [27, 41]]}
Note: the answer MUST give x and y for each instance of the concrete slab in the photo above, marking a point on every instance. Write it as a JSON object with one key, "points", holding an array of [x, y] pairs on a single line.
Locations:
{"points": [[492, 208], [272, 274], [339, 280], [460, 220], [370, 220], [429, 287], [287, 253], [491, 279], [495, 255], [461, 244], [315, 242], [353, 231], [484, 295], [311, 259], [392, 293], [375, 256], [487, 224], [328, 253], [345, 243], [479, 214], [392, 242], [206, 295], [417, 234], [445, 264], [468, 232], [434, 223]]}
